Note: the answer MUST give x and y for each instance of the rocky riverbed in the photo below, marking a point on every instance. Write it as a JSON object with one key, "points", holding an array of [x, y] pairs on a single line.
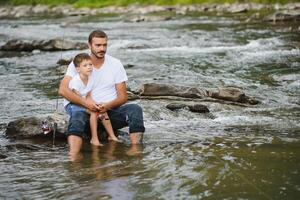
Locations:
{"points": [[242, 146]]}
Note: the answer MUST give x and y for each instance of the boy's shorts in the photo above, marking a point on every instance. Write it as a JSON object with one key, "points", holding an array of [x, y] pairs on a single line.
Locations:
{"points": [[78, 119], [71, 108]]}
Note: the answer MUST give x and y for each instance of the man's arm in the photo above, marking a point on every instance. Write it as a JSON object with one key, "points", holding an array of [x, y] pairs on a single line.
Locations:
{"points": [[73, 97], [120, 100]]}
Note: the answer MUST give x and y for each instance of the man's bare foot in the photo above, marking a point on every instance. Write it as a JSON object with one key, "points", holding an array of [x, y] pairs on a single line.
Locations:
{"points": [[114, 139], [96, 143], [75, 156], [135, 150]]}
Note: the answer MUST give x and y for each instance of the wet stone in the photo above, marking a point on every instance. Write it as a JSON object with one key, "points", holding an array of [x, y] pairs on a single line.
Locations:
{"points": [[2, 156], [198, 108]]}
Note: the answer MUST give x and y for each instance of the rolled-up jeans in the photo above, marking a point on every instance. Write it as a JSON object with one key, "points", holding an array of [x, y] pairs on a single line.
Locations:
{"points": [[130, 115]]}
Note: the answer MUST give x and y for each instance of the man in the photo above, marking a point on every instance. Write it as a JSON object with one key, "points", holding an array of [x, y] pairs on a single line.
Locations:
{"points": [[109, 95]]}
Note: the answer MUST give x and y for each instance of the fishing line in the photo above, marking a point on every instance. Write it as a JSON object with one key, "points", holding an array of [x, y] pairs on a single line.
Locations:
{"points": [[246, 180], [57, 96]]}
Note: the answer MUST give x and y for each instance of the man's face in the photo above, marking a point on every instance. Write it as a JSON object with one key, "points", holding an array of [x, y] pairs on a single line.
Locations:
{"points": [[98, 47], [85, 67]]}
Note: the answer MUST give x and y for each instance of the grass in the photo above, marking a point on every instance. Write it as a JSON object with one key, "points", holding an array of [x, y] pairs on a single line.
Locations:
{"points": [[103, 3]]}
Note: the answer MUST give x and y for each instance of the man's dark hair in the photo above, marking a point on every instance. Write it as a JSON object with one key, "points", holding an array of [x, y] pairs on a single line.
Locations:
{"points": [[97, 34], [80, 57]]}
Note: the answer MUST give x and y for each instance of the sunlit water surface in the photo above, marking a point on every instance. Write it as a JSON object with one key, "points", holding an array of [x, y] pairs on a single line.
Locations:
{"points": [[234, 153]]}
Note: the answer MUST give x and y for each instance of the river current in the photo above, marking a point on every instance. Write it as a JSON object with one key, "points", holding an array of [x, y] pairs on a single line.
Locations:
{"points": [[234, 153]]}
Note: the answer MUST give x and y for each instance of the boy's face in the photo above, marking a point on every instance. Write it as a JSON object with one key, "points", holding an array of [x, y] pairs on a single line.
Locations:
{"points": [[85, 68]]}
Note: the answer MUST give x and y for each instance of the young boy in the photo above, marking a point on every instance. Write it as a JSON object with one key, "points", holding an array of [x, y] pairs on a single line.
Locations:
{"points": [[82, 84]]}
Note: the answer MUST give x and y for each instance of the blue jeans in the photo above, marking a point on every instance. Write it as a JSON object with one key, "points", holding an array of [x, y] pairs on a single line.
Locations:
{"points": [[78, 119], [130, 115]]}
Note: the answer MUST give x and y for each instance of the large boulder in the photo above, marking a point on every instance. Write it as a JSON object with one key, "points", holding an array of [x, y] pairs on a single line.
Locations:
{"points": [[44, 45], [32, 126], [155, 89], [223, 93]]}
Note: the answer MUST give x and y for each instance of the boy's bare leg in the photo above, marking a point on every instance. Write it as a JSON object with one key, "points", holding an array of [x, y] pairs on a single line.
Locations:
{"points": [[93, 125], [75, 143], [108, 127]]}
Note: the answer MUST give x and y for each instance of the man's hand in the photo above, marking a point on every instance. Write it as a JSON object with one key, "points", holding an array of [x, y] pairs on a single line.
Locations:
{"points": [[102, 107], [91, 105]]}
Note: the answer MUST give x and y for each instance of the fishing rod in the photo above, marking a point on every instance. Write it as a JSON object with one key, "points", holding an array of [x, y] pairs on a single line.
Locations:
{"points": [[46, 127]]}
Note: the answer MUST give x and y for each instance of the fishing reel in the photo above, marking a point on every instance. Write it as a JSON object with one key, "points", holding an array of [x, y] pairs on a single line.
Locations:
{"points": [[47, 127]]}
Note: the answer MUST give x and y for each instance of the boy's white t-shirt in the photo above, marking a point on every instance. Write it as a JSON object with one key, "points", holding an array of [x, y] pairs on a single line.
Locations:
{"points": [[77, 84], [104, 79]]}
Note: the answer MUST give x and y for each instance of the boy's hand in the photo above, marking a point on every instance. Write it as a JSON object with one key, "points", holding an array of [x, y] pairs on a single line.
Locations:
{"points": [[91, 105], [102, 108]]}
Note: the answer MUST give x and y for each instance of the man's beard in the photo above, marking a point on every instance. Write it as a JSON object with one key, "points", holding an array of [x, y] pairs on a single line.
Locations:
{"points": [[96, 54]]}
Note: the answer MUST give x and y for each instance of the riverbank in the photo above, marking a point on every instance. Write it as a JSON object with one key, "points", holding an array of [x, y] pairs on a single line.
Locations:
{"points": [[8, 11], [105, 3]]}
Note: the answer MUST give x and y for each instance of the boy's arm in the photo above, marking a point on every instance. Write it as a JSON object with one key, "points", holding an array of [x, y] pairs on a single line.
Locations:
{"points": [[67, 93]]}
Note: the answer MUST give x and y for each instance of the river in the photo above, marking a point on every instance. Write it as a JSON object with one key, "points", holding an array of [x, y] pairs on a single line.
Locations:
{"points": [[233, 153]]}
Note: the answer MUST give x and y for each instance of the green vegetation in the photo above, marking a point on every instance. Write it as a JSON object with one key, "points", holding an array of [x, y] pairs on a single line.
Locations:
{"points": [[102, 3]]}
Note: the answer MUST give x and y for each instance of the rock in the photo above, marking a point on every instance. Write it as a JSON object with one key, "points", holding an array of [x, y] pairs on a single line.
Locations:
{"points": [[284, 16], [31, 127], [127, 66], [238, 8], [64, 61], [3, 156], [21, 11], [233, 94], [199, 108], [253, 17], [148, 19], [36, 51], [176, 106], [131, 96], [40, 9], [154, 89], [44, 45], [228, 94], [5, 11]]}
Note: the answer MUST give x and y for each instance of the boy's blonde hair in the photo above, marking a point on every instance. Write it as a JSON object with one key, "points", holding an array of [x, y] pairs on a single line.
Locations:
{"points": [[80, 57]]}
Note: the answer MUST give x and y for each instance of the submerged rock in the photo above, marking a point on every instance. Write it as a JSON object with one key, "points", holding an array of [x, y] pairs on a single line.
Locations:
{"points": [[148, 19], [44, 45], [3, 156], [284, 16], [199, 108]]}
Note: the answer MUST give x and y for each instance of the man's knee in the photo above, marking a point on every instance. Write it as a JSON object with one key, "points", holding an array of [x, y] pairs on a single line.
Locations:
{"points": [[135, 109], [135, 118]]}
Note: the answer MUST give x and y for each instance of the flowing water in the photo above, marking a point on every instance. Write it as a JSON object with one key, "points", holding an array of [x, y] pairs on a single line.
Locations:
{"points": [[234, 153]]}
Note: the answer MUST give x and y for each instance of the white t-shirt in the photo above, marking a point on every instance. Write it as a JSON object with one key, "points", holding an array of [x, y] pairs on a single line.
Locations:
{"points": [[77, 84], [111, 73]]}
